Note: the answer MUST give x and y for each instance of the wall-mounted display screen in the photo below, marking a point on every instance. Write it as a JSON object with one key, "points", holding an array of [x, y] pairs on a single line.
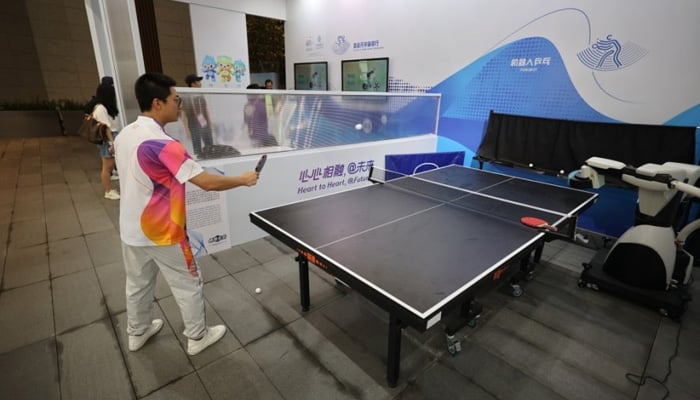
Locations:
{"points": [[311, 76], [365, 75]]}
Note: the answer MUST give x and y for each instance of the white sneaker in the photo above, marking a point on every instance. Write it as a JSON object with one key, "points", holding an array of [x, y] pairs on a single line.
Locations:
{"points": [[114, 177], [213, 334], [136, 342], [112, 195]]}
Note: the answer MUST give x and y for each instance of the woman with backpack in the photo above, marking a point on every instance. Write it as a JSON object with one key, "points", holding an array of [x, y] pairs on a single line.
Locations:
{"points": [[103, 107]]}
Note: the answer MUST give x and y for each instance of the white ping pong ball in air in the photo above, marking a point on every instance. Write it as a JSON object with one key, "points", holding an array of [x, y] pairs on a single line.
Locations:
{"points": [[561, 172], [258, 290], [530, 165], [358, 127]]}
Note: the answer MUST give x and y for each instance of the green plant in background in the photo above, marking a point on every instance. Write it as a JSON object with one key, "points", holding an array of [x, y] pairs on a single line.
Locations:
{"points": [[63, 104]]}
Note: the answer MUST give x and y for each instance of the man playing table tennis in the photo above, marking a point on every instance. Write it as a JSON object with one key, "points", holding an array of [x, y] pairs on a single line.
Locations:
{"points": [[154, 168]]}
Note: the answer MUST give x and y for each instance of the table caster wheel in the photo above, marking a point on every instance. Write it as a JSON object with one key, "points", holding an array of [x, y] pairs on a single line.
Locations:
{"points": [[454, 346], [529, 276], [517, 290]]}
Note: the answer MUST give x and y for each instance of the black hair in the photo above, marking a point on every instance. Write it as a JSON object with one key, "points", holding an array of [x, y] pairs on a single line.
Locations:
{"points": [[253, 97], [105, 95], [152, 85]]}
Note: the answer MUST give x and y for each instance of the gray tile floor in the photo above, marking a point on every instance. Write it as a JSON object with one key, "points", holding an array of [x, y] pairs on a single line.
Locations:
{"points": [[62, 318]]}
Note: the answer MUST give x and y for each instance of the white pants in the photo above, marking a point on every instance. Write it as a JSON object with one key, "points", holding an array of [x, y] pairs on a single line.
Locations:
{"points": [[179, 269]]}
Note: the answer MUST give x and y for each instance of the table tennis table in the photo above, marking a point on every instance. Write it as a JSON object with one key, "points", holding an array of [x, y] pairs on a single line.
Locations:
{"points": [[423, 246]]}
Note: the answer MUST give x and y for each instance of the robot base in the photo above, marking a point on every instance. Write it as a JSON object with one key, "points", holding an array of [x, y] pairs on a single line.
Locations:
{"points": [[671, 303]]}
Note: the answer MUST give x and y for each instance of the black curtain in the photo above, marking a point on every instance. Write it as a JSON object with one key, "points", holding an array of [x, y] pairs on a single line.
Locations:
{"points": [[552, 145]]}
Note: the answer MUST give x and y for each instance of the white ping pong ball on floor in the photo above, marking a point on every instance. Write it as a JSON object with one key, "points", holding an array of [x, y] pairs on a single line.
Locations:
{"points": [[358, 127], [258, 290]]}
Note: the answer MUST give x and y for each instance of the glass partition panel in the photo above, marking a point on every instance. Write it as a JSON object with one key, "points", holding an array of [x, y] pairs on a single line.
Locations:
{"points": [[220, 123]]}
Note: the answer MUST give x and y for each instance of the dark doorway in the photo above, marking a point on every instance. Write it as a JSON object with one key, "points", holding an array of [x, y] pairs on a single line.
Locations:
{"points": [[266, 48]]}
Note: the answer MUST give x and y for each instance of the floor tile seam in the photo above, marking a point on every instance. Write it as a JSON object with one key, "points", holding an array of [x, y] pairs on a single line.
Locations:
{"points": [[514, 367], [245, 268], [14, 189], [216, 258], [107, 314], [548, 355], [665, 359], [91, 267], [648, 358], [556, 306], [3, 289], [112, 320], [123, 351], [211, 309], [408, 382], [552, 256], [600, 354], [42, 217], [292, 288], [280, 324], [243, 347], [300, 345], [55, 335], [249, 254], [4, 267], [260, 368], [284, 250], [570, 294], [575, 267], [81, 326], [201, 382], [555, 269], [435, 354], [279, 321], [352, 338], [586, 344], [674, 389], [11, 229], [179, 378], [450, 366]]}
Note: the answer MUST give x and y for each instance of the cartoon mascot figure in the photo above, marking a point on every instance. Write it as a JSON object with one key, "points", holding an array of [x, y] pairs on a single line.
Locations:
{"points": [[239, 70], [209, 68], [225, 68]]}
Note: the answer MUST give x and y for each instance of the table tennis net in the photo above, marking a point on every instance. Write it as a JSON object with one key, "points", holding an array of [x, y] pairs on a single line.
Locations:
{"points": [[473, 201]]}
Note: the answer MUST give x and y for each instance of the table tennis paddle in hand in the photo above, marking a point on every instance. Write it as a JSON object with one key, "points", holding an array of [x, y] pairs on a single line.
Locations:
{"points": [[538, 223], [261, 163]]}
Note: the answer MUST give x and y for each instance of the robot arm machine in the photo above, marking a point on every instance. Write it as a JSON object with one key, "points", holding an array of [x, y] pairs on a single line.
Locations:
{"points": [[648, 256], [653, 177], [658, 184]]}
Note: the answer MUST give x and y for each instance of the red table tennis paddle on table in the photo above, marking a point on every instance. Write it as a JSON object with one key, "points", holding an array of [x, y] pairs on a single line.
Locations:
{"points": [[538, 223]]}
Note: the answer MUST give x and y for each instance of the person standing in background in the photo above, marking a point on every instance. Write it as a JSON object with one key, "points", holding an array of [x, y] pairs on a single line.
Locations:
{"points": [[273, 105], [103, 108], [154, 169], [255, 119], [196, 119]]}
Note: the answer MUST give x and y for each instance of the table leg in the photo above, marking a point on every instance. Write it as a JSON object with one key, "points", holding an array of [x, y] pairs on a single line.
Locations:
{"points": [[304, 282], [394, 351], [538, 252]]}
